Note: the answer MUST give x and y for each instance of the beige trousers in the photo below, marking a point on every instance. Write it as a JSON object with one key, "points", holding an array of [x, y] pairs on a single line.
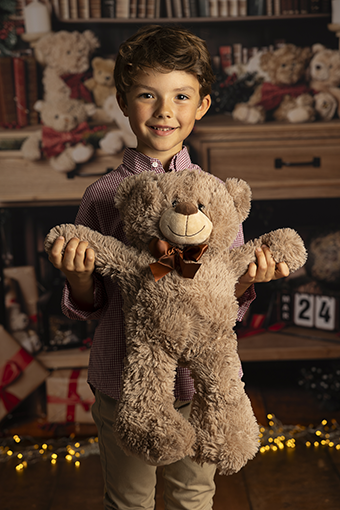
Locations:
{"points": [[130, 483]]}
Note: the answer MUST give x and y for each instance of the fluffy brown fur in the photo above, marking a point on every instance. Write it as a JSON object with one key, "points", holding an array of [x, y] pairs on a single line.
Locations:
{"points": [[182, 321]]}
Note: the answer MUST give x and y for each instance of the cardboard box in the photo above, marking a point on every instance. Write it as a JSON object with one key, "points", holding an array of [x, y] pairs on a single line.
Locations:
{"points": [[20, 373], [69, 397]]}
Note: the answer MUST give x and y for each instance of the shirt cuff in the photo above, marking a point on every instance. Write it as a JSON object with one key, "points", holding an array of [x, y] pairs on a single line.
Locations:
{"points": [[72, 310], [244, 301]]}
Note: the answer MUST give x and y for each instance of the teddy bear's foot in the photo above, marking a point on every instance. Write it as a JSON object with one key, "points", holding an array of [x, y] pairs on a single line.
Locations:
{"points": [[301, 114], [112, 143], [248, 114], [161, 440], [231, 444], [64, 162], [82, 153], [325, 105]]}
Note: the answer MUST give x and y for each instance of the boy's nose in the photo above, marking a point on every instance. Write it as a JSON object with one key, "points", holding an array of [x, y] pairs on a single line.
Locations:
{"points": [[163, 109]]}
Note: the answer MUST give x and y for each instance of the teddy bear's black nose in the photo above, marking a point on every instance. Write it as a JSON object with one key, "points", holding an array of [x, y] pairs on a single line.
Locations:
{"points": [[186, 208]]}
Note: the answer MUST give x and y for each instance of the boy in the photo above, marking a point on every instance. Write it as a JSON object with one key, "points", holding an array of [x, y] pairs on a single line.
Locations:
{"points": [[163, 78]]}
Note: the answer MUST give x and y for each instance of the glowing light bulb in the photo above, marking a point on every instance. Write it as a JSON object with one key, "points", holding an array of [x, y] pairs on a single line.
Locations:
{"points": [[77, 463]]}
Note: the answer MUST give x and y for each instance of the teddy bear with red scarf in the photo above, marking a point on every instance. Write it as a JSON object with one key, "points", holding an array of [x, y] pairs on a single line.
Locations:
{"points": [[287, 96]]}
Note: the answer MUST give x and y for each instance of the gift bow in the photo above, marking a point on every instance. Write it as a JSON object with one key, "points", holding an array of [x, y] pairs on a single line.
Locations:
{"points": [[54, 142], [11, 371], [170, 258]]}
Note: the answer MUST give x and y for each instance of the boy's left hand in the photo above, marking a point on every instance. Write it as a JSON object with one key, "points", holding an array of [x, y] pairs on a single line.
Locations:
{"points": [[264, 270]]}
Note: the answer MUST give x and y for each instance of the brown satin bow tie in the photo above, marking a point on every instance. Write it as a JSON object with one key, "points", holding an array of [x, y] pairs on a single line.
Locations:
{"points": [[170, 258]]}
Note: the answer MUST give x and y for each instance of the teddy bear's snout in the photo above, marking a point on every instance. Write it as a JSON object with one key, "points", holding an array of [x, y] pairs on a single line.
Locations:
{"points": [[186, 208]]}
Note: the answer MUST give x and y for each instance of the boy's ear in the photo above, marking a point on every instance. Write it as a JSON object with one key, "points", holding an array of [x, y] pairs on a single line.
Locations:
{"points": [[203, 107], [122, 105]]}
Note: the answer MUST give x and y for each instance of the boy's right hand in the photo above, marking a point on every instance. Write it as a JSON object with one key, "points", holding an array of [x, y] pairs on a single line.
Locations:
{"points": [[77, 263]]}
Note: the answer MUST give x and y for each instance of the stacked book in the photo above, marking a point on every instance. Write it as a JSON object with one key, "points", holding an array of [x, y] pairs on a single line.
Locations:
{"points": [[152, 9], [18, 91]]}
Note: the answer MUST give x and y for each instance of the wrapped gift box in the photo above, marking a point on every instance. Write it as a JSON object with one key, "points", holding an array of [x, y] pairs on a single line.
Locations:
{"points": [[20, 373], [69, 397]]}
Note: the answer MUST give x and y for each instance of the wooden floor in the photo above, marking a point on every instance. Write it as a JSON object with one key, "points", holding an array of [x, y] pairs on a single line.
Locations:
{"points": [[298, 479]]}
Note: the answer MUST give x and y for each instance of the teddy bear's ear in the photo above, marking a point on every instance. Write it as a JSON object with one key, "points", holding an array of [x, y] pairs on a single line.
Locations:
{"points": [[146, 185], [316, 48], [42, 47], [240, 192], [306, 53], [96, 61], [91, 39]]}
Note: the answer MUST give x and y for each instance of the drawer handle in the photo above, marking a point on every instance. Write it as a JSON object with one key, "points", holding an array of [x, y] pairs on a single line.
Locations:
{"points": [[316, 162]]}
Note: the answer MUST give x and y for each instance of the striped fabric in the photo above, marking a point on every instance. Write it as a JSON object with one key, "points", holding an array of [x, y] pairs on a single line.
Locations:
{"points": [[97, 212]]}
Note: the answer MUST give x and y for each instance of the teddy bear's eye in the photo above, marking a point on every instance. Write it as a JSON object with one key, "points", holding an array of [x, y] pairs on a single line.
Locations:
{"points": [[283, 65], [331, 66], [56, 116], [174, 203], [68, 52], [201, 207], [75, 118]]}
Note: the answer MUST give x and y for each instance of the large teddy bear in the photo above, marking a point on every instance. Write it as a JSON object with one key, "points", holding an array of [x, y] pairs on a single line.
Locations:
{"points": [[324, 75], [177, 278], [286, 97], [66, 60], [63, 138]]}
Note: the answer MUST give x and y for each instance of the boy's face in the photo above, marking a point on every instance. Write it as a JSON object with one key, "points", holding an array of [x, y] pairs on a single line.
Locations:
{"points": [[162, 109]]}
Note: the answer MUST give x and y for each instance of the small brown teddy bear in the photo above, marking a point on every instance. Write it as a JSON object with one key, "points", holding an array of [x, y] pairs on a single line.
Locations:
{"points": [[63, 136], [286, 97], [66, 58], [102, 83], [177, 279], [324, 75]]}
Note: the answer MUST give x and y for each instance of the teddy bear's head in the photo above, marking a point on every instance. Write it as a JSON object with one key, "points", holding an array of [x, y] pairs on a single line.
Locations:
{"points": [[63, 115], [286, 65], [66, 52], [103, 71], [190, 209], [324, 67]]}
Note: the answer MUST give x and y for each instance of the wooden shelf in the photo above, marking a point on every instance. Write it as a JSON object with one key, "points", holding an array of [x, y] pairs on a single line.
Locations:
{"points": [[183, 19], [291, 343]]}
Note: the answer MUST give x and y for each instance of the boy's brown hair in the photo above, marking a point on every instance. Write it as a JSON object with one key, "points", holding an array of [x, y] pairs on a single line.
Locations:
{"points": [[163, 49]]}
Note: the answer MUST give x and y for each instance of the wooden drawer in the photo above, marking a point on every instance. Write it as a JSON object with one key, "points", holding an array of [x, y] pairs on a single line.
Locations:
{"points": [[282, 165]]}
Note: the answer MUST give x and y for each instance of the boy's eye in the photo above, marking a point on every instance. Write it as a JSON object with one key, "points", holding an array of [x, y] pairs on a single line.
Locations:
{"points": [[146, 95], [182, 97]]}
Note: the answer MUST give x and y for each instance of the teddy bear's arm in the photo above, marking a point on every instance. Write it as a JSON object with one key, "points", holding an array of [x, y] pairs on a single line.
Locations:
{"points": [[111, 256], [90, 83], [285, 245]]}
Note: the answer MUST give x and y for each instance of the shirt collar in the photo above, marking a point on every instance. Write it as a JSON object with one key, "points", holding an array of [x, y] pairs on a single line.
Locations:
{"points": [[137, 162]]}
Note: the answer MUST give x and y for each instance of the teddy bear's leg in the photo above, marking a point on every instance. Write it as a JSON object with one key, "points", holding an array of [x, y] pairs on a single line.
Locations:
{"points": [[147, 424], [112, 143], [226, 429]]}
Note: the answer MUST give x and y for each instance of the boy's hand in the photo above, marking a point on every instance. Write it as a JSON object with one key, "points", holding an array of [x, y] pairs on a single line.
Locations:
{"points": [[77, 264], [265, 270]]}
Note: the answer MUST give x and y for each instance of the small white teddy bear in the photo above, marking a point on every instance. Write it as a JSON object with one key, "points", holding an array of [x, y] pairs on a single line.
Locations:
{"points": [[63, 136]]}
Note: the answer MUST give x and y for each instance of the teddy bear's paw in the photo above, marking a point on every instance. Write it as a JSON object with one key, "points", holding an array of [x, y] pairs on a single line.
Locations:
{"points": [[286, 246], [325, 105], [82, 153], [112, 142]]}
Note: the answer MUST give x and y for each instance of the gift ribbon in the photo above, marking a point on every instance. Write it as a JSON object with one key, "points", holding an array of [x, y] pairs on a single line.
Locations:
{"points": [[170, 258], [72, 398], [10, 372]]}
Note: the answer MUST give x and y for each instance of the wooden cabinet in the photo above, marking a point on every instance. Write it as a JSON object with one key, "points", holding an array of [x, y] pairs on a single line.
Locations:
{"points": [[277, 160]]}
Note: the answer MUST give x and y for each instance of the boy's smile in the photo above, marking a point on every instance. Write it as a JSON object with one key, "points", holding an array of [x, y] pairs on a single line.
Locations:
{"points": [[162, 109]]}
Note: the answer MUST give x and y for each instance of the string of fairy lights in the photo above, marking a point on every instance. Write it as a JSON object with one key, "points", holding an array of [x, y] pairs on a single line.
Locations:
{"points": [[22, 451]]}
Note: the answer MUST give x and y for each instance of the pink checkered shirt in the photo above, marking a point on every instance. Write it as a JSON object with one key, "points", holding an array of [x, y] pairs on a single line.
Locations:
{"points": [[97, 212]]}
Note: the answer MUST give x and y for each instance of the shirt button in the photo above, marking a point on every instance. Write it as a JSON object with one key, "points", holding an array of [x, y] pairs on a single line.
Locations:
{"points": [[155, 164]]}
